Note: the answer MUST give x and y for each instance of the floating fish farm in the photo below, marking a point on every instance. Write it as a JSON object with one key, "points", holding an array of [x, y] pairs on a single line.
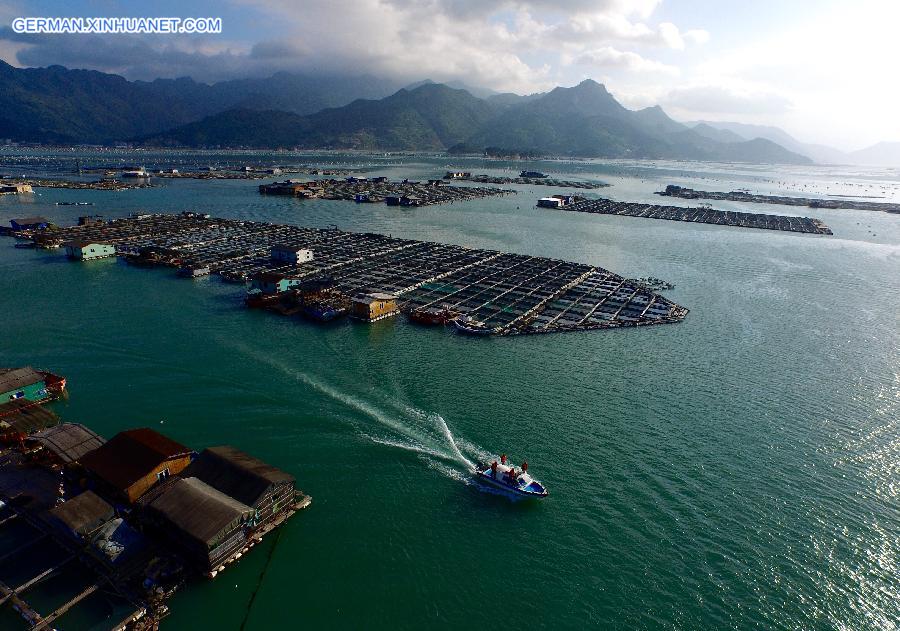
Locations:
{"points": [[699, 215], [405, 193], [535, 181], [743, 196], [496, 293]]}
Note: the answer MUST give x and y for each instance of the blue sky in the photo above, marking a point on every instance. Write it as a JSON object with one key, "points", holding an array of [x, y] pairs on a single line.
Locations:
{"points": [[822, 70]]}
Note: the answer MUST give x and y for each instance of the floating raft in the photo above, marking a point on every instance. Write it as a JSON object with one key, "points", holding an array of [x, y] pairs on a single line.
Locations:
{"points": [[813, 202], [534, 181], [506, 294], [761, 221]]}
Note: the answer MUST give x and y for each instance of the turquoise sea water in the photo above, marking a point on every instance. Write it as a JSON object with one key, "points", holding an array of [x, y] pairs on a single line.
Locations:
{"points": [[737, 470]]}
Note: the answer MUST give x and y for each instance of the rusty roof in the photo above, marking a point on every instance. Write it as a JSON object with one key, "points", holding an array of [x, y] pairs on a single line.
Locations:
{"points": [[130, 455]]}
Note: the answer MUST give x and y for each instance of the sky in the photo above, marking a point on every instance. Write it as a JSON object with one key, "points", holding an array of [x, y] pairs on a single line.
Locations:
{"points": [[823, 70]]}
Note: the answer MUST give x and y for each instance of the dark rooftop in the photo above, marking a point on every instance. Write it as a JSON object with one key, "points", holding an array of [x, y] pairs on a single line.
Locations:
{"points": [[84, 513], [15, 378], [197, 509], [69, 441], [235, 473], [130, 455]]}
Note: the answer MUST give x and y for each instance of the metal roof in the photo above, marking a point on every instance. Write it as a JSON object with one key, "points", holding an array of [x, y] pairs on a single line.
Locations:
{"points": [[197, 509], [236, 474], [15, 378], [84, 513], [68, 441]]}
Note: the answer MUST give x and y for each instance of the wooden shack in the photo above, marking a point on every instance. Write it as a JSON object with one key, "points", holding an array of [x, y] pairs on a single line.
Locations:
{"points": [[89, 250], [373, 307], [133, 461], [205, 523], [269, 491]]}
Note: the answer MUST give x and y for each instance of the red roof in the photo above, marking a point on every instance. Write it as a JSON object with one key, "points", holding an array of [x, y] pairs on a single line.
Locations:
{"points": [[131, 455]]}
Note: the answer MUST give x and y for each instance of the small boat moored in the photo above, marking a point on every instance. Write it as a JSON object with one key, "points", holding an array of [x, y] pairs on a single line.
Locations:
{"points": [[516, 482], [470, 326]]}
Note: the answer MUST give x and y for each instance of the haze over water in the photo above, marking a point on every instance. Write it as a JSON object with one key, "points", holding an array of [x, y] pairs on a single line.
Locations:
{"points": [[737, 470]]}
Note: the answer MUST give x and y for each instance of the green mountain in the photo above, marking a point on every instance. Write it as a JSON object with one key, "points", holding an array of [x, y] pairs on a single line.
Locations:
{"points": [[587, 121], [430, 117], [56, 104]]}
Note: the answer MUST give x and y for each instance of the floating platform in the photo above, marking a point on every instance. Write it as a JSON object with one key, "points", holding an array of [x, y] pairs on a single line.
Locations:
{"points": [[378, 190], [812, 202], [535, 181], [760, 221], [507, 293]]}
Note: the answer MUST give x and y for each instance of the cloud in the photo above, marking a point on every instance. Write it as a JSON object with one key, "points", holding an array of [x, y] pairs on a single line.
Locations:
{"points": [[516, 45], [608, 57], [715, 99]]}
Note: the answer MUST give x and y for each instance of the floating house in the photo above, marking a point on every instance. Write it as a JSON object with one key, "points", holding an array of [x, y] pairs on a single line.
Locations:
{"points": [[409, 200], [15, 189], [363, 197], [272, 283], [291, 254], [269, 491], [29, 384], [555, 201], [133, 461], [89, 250], [532, 174], [206, 524], [457, 175], [373, 307], [91, 220], [29, 223], [392, 200]]}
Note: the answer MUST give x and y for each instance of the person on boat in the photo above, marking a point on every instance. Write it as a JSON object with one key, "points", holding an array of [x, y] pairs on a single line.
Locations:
{"points": [[502, 458], [524, 466], [512, 475], [494, 469]]}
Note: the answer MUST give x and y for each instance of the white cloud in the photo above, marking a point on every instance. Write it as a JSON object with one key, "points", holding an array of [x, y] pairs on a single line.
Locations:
{"points": [[718, 99], [609, 57]]}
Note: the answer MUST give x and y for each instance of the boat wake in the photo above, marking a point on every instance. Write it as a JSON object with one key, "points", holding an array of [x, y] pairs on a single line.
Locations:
{"points": [[398, 424]]}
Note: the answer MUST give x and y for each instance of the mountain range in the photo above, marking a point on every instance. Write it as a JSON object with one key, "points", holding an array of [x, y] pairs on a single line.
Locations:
{"points": [[59, 105], [584, 120]]}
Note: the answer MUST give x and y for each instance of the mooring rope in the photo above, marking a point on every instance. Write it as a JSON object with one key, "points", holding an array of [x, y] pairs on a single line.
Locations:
{"points": [[262, 575]]}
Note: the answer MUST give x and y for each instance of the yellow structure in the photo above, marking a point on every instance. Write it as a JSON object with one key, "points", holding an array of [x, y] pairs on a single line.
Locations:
{"points": [[372, 307]]}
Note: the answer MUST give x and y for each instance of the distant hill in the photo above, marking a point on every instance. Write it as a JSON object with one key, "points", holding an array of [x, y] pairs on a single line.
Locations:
{"points": [[881, 154], [820, 153], [65, 106], [719, 135], [584, 120], [56, 104]]}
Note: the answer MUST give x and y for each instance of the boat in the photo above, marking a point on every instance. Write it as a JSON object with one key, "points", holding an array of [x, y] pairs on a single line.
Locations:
{"points": [[137, 173], [432, 315], [507, 478], [323, 312], [471, 326]]}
